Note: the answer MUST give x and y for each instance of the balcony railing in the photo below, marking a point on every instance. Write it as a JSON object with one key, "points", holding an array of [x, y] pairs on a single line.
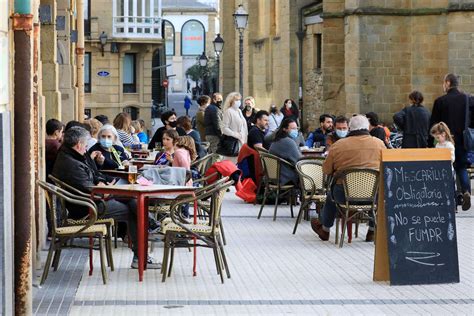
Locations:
{"points": [[136, 27]]}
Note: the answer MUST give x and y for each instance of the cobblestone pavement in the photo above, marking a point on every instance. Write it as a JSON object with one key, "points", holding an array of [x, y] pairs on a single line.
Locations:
{"points": [[273, 272]]}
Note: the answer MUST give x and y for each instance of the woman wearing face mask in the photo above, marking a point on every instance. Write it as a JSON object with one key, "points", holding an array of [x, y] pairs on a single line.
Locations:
{"points": [[290, 110], [275, 118], [235, 124], [249, 111], [285, 147], [114, 155]]}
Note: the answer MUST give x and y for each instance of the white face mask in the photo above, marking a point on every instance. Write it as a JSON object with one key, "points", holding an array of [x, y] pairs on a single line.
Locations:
{"points": [[237, 104]]}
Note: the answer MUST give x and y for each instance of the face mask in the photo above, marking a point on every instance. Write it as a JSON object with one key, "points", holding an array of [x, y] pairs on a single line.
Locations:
{"points": [[106, 142], [273, 110], [173, 124], [248, 108], [288, 106], [341, 133], [293, 134], [237, 104], [219, 103]]}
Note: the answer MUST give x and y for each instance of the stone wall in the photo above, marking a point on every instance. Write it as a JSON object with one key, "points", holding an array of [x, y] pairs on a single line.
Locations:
{"points": [[392, 47]]}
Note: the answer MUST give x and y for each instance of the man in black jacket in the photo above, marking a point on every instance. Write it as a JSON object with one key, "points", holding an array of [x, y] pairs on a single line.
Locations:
{"points": [[451, 109], [213, 120], [71, 167]]}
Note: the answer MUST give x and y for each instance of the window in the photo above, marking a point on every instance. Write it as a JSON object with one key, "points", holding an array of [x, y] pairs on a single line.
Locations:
{"points": [[88, 113], [87, 72], [192, 38], [87, 18], [318, 51], [169, 38], [133, 111], [129, 73]]}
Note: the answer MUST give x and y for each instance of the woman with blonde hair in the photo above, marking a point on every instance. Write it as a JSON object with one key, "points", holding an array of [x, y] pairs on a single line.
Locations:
{"points": [[249, 111], [125, 130], [95, 126], [235, 125]]}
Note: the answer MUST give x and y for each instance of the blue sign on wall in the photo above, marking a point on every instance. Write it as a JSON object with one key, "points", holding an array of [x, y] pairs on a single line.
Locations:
{"points": [[103, 73]]}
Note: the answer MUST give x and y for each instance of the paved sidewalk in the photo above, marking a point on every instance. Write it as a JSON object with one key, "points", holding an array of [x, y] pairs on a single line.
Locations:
{"points": [[274, 272]]}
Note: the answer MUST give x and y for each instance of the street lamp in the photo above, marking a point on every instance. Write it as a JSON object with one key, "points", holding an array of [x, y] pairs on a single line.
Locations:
{"points": [[103, 41], [203, 63], [218, 47], [240, 19]]}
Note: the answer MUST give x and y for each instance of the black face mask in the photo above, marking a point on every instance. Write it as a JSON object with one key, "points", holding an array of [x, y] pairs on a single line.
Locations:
{"points": [[248, 108], [173, 124], [219, 103], [273, 110]]}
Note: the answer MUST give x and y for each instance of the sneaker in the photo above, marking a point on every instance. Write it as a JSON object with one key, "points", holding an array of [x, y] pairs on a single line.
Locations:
{"points": [[318, 229], [466, 201], [370, 236], [150, 263]]}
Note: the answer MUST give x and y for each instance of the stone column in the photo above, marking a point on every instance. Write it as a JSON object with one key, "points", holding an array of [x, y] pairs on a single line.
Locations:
{"points": [[50, 65]]}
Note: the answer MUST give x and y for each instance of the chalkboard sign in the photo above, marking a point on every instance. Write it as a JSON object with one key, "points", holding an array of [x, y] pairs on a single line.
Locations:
{"points": [[418, 211]]}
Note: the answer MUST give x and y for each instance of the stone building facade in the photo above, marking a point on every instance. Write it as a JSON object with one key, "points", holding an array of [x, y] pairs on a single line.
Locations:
{"points": [[358, 55], [119, 75], [190, 28]]}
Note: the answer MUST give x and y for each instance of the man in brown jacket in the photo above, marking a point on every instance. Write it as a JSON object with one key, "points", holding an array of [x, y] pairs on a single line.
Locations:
{"points": [[358, 150]]}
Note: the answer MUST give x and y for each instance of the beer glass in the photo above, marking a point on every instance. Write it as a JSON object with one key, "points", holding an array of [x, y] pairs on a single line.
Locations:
{"points": [[132, 174]]}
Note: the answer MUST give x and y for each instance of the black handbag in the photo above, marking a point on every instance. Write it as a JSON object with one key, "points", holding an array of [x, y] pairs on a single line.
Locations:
{"points": [[468, 134], [228, 146]]}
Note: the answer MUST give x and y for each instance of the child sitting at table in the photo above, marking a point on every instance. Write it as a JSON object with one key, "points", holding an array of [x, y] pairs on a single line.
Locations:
{"points": [[184, 154], [165, 158]]}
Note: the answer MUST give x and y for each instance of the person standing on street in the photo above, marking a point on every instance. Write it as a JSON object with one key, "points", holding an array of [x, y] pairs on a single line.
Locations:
{"points": [[200, 126], [213, 120], [451, 109], [414, 121], [235, 124]]}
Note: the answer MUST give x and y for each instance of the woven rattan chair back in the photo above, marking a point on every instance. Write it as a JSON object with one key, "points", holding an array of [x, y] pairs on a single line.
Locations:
{"points": [[271, 167], [360, 185], [203, 164], [216, 203], [53, 193], [311, 175]]}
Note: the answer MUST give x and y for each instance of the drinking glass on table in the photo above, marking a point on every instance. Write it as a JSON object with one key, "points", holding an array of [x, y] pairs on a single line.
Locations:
{"points": [[132, 174], [158, 146], [316, 144]]}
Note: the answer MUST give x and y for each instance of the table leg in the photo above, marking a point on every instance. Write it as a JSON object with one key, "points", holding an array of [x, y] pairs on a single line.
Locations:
{"points": [[141, 235], [195, 248]]}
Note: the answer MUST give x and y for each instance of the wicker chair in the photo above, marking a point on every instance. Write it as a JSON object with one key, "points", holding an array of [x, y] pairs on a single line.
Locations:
{"points": [[272, 168], [60, 235], [206, 233], [312, 185], [261, 185], [360, 189], [109, 222], [205, 162]]}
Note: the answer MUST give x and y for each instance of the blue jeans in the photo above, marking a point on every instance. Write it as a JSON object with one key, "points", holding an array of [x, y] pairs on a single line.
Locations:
{"points": [[460, 167], [329, 212]]}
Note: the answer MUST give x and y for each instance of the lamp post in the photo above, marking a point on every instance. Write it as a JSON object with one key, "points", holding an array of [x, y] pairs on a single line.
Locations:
{"points": [[218, 47], [203, 63], [103, 41], [240, 19]]}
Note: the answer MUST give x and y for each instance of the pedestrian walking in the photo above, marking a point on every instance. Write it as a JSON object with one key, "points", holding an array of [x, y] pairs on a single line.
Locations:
{"points": [[187, 104], [414, 121], [455, 109]]}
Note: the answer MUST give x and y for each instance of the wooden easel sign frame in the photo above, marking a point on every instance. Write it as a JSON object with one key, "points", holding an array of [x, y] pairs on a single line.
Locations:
{"points": [[416, 226]]}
